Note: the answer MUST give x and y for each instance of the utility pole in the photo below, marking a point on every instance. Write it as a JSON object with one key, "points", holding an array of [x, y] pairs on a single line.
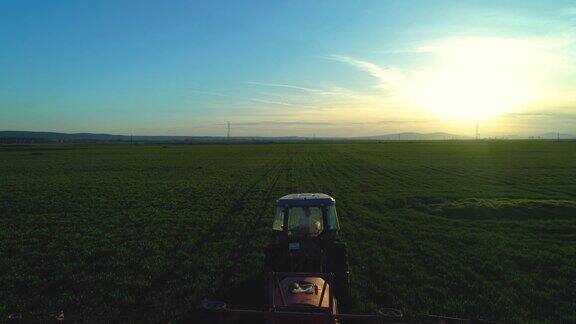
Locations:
{"points": [[558, 137], [228, 133], [477, 130]]}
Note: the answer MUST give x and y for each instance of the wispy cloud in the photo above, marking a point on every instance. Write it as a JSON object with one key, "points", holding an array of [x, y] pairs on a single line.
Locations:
{"points": [[391, 122], [287, 86], [414, 121], [337, 93], [282, 103], [283, 123], [408, 50], [560, 116], [389, 77]]}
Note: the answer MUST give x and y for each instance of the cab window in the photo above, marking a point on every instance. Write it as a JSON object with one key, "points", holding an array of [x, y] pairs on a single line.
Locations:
{"points": [[305, 221], [332, 218], [278, 219]]}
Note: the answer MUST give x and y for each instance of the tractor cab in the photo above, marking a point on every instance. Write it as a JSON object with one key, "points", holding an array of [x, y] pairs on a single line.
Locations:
{"points": [[305, 216]]}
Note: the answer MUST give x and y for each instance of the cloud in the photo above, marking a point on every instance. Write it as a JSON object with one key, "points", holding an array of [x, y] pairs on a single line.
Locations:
{"points": [[389, 77], [283, 123], [403, 121], [313, 123], [560, 116], [287, 86], [335, 93], [281, 103], [408, 50], [475, 65], [391, 122]]}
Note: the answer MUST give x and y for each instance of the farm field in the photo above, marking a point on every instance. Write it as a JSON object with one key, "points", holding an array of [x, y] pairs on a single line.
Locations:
{"points": [[145, 231]]}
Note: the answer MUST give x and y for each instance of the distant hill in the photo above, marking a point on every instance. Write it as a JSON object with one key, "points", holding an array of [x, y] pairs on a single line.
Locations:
{"points": [[25, 136], [415, 137], [92, 137], [52, 136]]}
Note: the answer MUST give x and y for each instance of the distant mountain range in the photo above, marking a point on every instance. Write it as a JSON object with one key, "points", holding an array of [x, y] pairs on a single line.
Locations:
{"points": [[414, 137], [52, 136], [93, 137]]}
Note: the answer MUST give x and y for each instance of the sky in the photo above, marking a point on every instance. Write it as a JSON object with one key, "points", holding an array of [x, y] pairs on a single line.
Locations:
{"points": [[288, 67]]}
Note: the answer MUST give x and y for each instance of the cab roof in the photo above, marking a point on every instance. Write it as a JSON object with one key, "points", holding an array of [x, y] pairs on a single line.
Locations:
{"points": [[305, 199]]}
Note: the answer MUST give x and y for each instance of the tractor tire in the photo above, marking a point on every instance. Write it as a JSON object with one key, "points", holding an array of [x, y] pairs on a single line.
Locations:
{"points": [[337, 258], [337, 263]]}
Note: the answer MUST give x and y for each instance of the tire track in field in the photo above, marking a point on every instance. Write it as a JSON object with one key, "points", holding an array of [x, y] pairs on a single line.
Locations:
{"points": [[292, 183], [353, 221], [496, 178], [217, 230], [244, 243], [338, 177], [491, 177], [291, 179], [378, 169], [477, 176], [403, 178]]}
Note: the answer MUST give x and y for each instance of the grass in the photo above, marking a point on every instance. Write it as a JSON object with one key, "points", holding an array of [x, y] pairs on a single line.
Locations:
{"points": [[143, 232]]}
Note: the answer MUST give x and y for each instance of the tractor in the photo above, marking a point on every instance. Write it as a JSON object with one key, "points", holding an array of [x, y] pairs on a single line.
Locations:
{"points": [[306, 241], [307, 266]]}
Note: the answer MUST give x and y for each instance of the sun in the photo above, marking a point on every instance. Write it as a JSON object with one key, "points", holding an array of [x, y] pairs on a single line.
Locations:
{"points": [[472, 80]]}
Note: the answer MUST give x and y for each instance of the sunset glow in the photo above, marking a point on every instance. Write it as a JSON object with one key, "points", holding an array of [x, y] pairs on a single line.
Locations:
{"points": [[474, 80], [295, 68]]}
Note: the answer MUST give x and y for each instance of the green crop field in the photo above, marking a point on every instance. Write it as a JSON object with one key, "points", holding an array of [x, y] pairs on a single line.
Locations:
{"points": [[144, 232]]}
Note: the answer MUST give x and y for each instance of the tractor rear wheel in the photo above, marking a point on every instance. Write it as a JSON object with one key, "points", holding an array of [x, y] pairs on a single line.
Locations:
{"points": [[337, 263]]}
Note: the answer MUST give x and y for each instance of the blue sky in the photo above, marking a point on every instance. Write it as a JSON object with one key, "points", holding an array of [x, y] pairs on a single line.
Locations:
{"points": [[330, 68]]}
